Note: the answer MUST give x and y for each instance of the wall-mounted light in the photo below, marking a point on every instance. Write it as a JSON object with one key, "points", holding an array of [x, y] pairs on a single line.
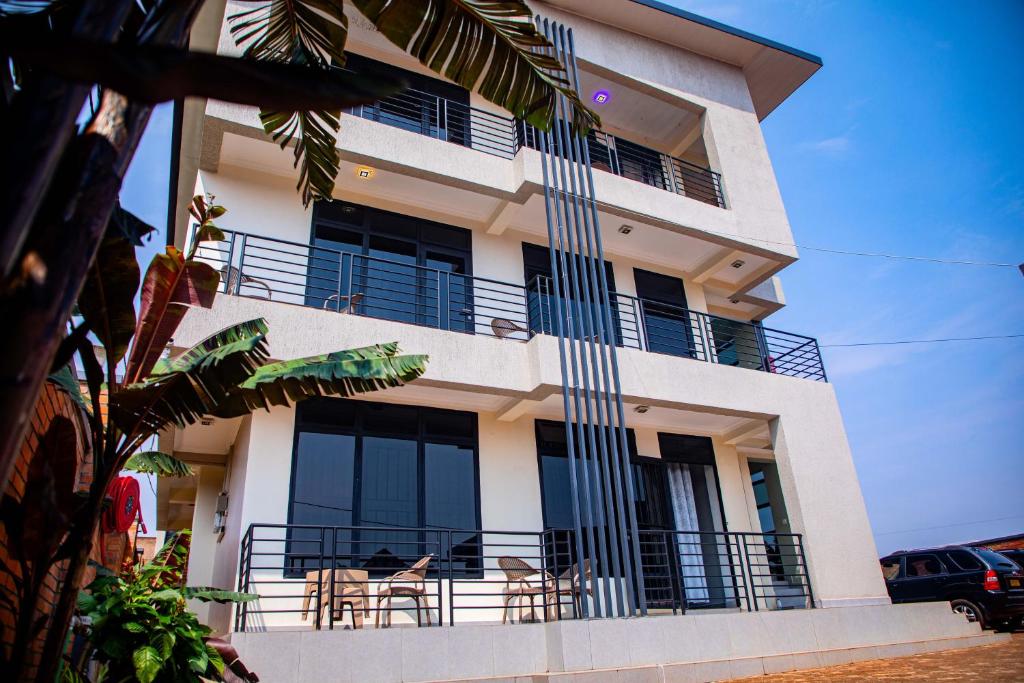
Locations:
{"points": [[602, 97], [626, 229], [641, 409], [737, 264], [364, 172]]}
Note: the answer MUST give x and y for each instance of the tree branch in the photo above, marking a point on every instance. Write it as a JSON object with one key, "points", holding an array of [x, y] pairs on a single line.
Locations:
{"points": [[152, 74]]}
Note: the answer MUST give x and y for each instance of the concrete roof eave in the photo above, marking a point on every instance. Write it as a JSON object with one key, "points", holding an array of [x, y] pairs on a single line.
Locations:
{"points": [[774, 71]]}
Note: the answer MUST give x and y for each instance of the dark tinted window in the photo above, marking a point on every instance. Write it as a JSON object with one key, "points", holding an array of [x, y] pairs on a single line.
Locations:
{"points": [[963, 561], [994, 559], [364, 464], [923, 565], [696, 450]]}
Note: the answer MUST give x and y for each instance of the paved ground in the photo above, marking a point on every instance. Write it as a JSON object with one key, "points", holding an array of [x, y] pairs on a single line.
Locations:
{"points": [[1003, 663]]}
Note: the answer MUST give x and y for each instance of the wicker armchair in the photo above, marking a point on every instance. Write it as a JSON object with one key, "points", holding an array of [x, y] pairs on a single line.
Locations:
{"points": [[408, 583], [517, 587]]}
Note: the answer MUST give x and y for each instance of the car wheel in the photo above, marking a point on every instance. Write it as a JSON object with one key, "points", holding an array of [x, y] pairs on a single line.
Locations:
{"points": [[971, 611]]}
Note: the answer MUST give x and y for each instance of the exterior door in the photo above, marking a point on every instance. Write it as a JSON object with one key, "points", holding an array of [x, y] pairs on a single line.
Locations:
{"points": [[666, 322]]}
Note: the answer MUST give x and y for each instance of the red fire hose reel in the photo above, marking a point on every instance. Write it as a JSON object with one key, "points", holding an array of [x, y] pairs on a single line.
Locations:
{"points": [[124, 507]]}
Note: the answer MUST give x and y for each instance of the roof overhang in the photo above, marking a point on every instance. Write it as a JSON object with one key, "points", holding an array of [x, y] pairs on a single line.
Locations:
{"points": [[774, 71]]}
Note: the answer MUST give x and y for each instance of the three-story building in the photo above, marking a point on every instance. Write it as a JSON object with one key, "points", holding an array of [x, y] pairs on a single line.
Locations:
{"points": [[704, 486]]}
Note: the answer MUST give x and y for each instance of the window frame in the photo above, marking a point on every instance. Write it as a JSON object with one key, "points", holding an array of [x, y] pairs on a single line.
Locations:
{"points": [[906, 566], [359, 431]]}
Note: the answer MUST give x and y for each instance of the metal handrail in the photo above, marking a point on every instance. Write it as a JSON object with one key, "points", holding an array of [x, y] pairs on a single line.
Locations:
{"points": [[498, 135], [659, 327], [685, 570], [345, 282]]}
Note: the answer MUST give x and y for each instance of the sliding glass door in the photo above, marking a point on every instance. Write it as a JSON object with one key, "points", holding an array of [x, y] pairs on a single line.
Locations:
{"points": [[389, 266]]}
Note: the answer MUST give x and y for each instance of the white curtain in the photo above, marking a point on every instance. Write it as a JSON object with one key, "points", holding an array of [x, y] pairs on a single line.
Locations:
{"points": [[691, 557]]}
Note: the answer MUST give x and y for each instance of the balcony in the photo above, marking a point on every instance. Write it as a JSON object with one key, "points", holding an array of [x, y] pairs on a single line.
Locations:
{"points": [[388, 575], [456, 122], [356, 284]]}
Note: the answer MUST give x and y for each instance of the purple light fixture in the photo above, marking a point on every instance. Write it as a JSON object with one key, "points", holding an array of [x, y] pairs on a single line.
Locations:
{"points": [[602, 97]]}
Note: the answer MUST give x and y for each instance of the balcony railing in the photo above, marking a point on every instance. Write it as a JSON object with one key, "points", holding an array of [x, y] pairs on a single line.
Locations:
{"points": [[673, 330], [354, 284], [456, 122], [388, 574], [645, 165], [445, 119]]}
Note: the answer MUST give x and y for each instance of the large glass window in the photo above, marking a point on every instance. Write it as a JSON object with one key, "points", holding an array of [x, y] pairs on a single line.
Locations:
{"points": [[390, 266], [408, 471]]}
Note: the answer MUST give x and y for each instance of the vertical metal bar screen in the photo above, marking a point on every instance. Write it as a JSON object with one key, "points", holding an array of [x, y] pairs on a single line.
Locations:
{"points": [[600, 477]]}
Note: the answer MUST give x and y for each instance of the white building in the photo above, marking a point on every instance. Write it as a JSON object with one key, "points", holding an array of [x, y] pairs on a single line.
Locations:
{"points": [[746, 499]]}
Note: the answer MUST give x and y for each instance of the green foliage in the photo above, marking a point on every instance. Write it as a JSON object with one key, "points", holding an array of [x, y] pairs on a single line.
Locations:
{"points": [[490, 47], [107, 301], [160, 464], [225, 376], [141, 629]]}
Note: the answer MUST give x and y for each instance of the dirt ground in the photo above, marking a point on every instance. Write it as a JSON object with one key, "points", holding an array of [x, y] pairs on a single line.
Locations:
{"points": [[1003, 663]]}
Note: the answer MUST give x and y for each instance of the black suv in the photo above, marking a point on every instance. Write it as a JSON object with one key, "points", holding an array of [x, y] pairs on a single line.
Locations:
{"points": [[981, 584]]}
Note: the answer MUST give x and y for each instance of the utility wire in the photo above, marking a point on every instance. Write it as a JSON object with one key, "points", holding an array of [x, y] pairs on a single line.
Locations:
{"points": [[924, 341], [948, 526], [928, 259]]}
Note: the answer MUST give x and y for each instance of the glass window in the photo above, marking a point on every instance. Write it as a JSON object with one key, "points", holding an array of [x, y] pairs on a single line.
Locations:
{"points": [[923, 565], [450, 499], [890, 568], [322, 496], [963, 560], [390, 266], [374, 466]]}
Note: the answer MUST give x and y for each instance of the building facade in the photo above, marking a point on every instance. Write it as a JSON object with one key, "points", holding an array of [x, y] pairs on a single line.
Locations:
{"points": [[703, 488]]}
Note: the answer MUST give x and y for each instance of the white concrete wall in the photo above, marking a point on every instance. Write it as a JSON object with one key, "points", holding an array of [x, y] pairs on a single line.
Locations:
{"points": [[814, 460], [692, 648], [736, 146], [202, 555]]}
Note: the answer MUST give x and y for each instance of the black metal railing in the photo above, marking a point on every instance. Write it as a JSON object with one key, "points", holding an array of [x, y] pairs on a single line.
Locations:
{"points": [[461, 124], [347, 576], [663, 328], [628, 159], [345, 282], [445, 119]]}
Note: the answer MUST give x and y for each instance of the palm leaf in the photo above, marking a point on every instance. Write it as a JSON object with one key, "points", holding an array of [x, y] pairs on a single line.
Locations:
{"points": [[160, 464], [107, 299], [283, 30], [343, 373], [489, 47], [172, 285], [310, 33], [182, 389], [205, 594], [316, 148]]}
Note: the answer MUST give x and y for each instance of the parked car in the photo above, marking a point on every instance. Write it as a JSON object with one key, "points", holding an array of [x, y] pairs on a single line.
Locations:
{"points": [[979, 583], [1015, 554]]}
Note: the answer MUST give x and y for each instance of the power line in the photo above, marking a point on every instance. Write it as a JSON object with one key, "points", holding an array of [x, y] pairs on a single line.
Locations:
{"points": [[874, 254], [924, 341], [949, 526]]}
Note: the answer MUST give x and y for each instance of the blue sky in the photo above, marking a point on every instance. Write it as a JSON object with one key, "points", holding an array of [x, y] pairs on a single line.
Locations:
{"points": [[908, 141]]}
